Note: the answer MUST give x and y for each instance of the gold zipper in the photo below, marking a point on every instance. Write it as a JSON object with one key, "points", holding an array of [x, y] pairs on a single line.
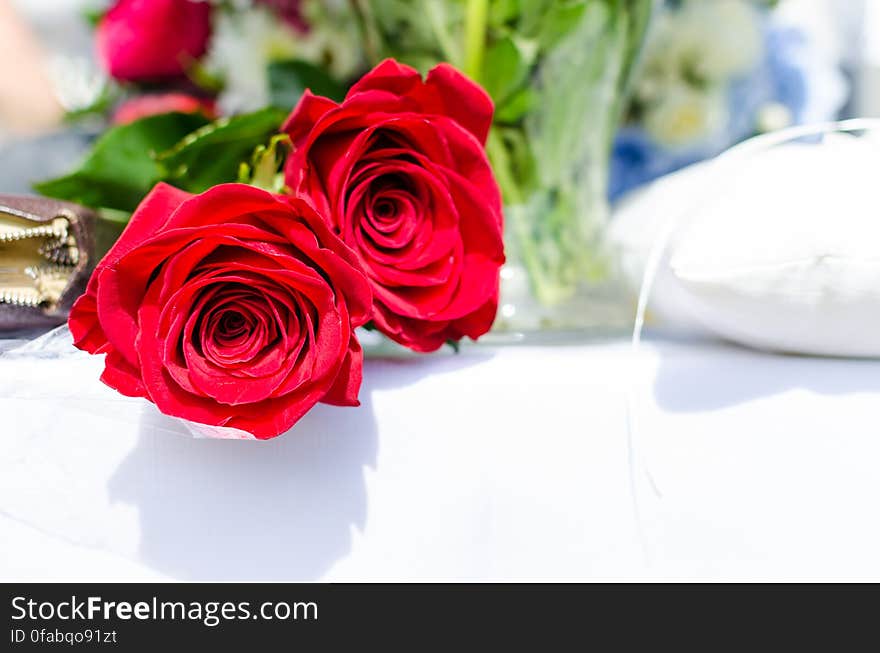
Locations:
{"points": [[37, 261]]}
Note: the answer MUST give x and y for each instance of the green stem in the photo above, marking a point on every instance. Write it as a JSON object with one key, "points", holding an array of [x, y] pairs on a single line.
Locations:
{"points": [[475, 23], [368, 30], [437, 19], [498, 157], [516, 214], [266, 162]]}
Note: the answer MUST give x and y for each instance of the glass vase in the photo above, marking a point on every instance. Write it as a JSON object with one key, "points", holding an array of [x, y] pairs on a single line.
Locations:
{"points": [[558, 74]]}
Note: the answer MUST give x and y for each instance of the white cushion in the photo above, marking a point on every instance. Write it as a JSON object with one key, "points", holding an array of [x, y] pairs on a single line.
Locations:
{"points": [[783, 250], [640, 219]]}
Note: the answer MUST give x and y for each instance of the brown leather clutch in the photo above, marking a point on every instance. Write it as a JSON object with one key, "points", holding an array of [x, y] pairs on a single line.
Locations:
{"points": [[47, 250]]}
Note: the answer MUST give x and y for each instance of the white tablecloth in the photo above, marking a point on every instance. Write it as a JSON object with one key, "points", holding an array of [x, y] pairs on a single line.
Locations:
{"points": [[682, 461]]}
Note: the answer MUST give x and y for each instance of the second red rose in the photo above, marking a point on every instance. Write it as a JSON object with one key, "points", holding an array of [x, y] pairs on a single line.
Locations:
{"points": [[400, 170]]}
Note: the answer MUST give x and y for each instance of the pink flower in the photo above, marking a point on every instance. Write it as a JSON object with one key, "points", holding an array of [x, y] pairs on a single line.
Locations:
{"points": [[149, 105], [150, 39]]}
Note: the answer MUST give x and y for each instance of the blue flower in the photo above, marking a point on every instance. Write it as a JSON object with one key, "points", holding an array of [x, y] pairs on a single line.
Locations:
{"points": [[637, 159]]}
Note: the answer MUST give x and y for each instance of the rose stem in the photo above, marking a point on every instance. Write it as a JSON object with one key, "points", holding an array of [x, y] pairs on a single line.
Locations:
{"points": [[475, 23]]}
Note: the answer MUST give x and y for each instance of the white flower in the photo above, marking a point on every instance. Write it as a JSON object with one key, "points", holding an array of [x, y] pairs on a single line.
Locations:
{"points": [[243, 45], [78, 81], [773, 116], [705, 42], [730, 32], [684, 115], [334, 37], [248, 39]]}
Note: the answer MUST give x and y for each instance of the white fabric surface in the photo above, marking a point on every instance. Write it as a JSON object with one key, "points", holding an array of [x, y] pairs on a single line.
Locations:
{"points": [[494, 464]]}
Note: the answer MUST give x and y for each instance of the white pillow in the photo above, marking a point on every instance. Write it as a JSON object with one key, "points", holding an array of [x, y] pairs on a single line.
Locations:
{"points": [[639, 220], [783, 251]]}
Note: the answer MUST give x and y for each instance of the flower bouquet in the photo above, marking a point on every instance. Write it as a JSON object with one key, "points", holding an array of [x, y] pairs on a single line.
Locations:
{"points": [[358, 180]]}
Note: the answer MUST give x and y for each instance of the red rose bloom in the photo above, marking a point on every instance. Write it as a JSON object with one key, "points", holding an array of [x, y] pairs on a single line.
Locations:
{"points": [[149, 39], [156, 103], [233, 308], [399, 168]]}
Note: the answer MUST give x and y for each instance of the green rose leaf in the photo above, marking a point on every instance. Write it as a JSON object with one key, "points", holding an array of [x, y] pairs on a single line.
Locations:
{"points": [[288, 80], [503, 12], [212, 154], [561, 19], [506, 68], [516, 106], [121, 167]]}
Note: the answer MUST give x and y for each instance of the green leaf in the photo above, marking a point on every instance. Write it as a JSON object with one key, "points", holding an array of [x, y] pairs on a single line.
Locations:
{"points": [[561, 19], [114, 215], [522, 159], [506, 67], [213, 154], [532, 15], [516, 106], [502, 12], [93, 15], [288, 80], [121, 169]]}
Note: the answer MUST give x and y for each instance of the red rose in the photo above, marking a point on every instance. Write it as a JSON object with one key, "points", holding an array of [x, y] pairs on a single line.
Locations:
{"points": [[149, 105], [149, 39], [233, 308], [399, 168]]}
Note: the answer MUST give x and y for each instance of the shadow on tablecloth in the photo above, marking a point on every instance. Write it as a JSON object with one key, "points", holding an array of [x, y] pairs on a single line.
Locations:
{"points": [[714, 376], [238, 510], [283, 509]]}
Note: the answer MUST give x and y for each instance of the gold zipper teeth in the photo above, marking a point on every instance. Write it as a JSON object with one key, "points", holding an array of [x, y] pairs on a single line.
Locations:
{"points": [[24, 299], [60, 253], [34, 232], [42, 270]]}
